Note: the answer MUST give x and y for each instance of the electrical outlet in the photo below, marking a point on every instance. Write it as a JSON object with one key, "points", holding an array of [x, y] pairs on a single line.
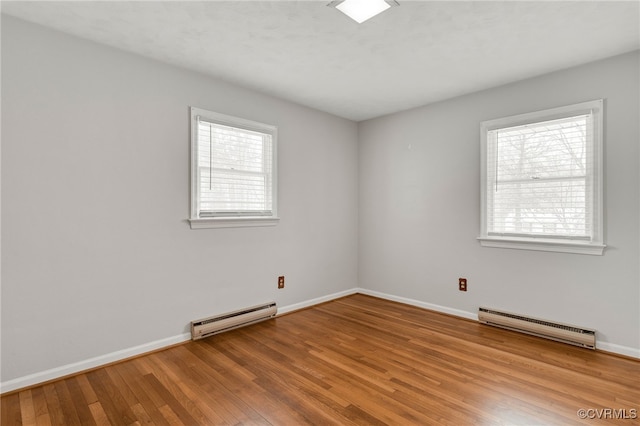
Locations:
{"points": [[281, 281], [462, 284]]}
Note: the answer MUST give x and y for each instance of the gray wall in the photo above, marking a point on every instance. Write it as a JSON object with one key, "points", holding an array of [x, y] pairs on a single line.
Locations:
{"points": [[97, 255], [419, 211]]}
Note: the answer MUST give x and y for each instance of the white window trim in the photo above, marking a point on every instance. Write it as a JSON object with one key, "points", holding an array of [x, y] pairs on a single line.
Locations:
{"points": [[230, 221], [594, 247]]}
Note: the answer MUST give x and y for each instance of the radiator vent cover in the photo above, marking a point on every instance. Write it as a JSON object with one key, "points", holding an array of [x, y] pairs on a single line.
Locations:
{"points": [[565, 333], [209, 326]]}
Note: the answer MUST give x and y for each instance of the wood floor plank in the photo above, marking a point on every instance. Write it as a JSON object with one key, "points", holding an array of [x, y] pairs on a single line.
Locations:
{"points": [[53, 404], [358, 360], [304, 380], [125, 391], [111, 401], [189, 381], [27, 409], [148, 400], [87, 391], [43, 420], [66, 404], [173, 403], [269, 405], [11, 410], [81, 405], [43, 417], [226, 401], [98, 414], [289, 384], [171, 417], [183, 391], [141, 414]]}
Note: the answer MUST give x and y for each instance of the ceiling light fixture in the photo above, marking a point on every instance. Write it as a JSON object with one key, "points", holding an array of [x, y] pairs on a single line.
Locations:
{"points": [[361, 10]]}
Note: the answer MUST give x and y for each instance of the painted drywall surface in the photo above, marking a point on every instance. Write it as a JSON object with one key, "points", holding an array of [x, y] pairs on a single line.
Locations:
{"points": [[419, 213], [97, 255]]}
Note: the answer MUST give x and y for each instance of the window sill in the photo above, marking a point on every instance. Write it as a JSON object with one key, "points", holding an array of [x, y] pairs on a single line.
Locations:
{"points": [[233, 222], [543, 245]]}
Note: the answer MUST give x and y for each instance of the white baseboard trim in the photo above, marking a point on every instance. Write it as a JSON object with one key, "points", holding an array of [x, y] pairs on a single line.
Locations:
{"points": [[618, 349], [308, 303], [77, 367], [603, 346], [88, 364], [420, 304]]}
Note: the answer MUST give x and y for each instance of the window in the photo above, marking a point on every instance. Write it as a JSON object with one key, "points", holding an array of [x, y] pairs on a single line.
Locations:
{"points": [[233, 171], [542, 180]]}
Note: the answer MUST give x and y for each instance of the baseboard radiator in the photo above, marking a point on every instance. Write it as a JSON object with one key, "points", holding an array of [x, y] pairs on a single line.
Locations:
{"points": [[206, 327], [555, 331]]}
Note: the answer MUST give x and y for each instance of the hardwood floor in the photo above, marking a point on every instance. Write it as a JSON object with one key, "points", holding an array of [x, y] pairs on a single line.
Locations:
{"points": [[356, 360]]}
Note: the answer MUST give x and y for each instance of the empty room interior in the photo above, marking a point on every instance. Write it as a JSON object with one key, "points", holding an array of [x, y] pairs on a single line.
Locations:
{"points": [[298, 212]]}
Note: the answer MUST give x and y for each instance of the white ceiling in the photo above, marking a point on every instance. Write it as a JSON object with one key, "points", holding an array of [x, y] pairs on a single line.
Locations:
{"points": [[303, 51]]}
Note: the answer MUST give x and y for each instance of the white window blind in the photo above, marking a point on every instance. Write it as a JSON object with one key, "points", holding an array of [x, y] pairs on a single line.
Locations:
{"points": [[233, 170], [543, 179], [539, 183]]}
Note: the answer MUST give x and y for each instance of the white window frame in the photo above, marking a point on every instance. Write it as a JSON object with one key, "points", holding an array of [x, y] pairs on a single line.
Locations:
{"points": [[241, 219], [595, 246]]}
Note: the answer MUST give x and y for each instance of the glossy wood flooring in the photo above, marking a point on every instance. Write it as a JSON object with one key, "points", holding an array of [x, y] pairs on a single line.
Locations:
{"points": [[356, 360]]}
